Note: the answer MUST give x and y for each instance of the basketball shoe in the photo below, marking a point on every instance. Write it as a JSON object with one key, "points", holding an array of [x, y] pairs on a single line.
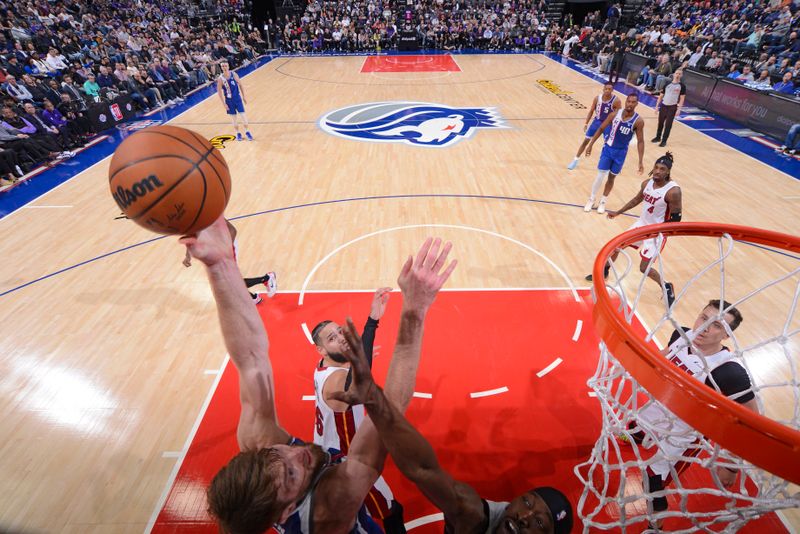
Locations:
{"points": [[271, 283]]}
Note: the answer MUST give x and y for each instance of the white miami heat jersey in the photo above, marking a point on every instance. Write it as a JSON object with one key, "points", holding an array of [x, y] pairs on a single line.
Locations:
{"points": [[334, 430], [657, 417], [654, 207]]}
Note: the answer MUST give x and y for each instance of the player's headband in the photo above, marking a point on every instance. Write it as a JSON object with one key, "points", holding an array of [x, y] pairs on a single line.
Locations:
{"points": [[559, 506]]}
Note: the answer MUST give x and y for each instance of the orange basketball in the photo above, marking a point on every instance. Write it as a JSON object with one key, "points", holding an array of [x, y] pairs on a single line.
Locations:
{"points": [[169, 180]]}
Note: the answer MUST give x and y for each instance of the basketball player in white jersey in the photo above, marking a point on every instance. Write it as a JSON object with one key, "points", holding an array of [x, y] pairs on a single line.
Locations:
{"points": [[277, 479], [698, 351], [542, 510], [231, 92], [269, 280], [663, 202], [335, 423], [602, 106]]}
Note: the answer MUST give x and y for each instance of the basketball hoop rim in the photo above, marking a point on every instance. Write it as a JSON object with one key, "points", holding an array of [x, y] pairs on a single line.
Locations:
{"points": [[754, 437]]}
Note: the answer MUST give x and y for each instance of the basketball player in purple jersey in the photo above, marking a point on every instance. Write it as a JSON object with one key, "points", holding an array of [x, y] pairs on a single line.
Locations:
{"points": [[602, 106], [231, 92], [622, 125]]}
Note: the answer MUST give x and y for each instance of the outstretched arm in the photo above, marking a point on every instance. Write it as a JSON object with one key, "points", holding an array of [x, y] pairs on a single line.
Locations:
{"points": [[411, 452], [244, 335], [378, 307], [420, 281], [632, 203]]}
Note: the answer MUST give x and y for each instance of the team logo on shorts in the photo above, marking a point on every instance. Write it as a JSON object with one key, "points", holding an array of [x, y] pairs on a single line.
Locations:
{"points": [[412, 123]]}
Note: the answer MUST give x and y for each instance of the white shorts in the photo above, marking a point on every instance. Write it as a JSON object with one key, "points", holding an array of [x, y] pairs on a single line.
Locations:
{"points": [[673, 438], [648, 248]]}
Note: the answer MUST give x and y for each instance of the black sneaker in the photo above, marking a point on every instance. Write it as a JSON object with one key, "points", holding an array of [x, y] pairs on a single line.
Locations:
{"points": [[670, 293], [655, 140], [663, 143]]}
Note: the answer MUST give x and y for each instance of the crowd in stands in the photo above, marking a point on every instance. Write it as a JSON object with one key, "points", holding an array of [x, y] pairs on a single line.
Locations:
{"points": [[58, 58], [753, 43], [371, 25]]}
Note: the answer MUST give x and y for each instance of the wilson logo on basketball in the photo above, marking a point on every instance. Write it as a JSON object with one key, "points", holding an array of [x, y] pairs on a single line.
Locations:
{"points": [[126, 197]]}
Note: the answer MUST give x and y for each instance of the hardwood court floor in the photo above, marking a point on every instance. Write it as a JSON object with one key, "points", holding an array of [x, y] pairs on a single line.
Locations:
{"points": [[102, 372]]}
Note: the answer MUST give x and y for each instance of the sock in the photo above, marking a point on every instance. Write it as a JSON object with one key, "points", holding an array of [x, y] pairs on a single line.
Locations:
{"points": [[601, 176], [576, 158]]}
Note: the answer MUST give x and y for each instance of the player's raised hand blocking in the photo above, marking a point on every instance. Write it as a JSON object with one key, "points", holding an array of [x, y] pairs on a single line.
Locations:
{"points": [[211, 245], [363, 386], [421, 279], [379, 301]]}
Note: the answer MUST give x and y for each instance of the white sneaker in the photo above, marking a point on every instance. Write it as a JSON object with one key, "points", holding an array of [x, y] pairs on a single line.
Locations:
{"points": [[256, 298], [601, 208], [272, 284], [170, 102], [589, 205], [573, 164]]}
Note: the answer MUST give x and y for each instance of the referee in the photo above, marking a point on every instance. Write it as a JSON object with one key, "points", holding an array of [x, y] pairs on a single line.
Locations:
{"points": [[670, 102]]}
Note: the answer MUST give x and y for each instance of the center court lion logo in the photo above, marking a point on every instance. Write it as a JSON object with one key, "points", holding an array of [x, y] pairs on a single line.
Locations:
{"points": [[412, 123]]}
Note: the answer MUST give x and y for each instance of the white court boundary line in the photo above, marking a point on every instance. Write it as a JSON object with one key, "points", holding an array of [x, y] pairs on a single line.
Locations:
{"points": [[771, 168], [578, 327], [441, 74], [444, 289], [307, 333], [87, 169], [549, 368], [182, 453], [434, 225], [488, 393], [424, 520]]}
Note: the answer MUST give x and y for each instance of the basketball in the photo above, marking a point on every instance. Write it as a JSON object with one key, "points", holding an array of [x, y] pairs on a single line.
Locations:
{"points": [[169, 180]]}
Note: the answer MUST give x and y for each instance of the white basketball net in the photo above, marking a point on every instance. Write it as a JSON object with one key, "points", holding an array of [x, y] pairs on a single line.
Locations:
{"points": [[616, 495]]}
